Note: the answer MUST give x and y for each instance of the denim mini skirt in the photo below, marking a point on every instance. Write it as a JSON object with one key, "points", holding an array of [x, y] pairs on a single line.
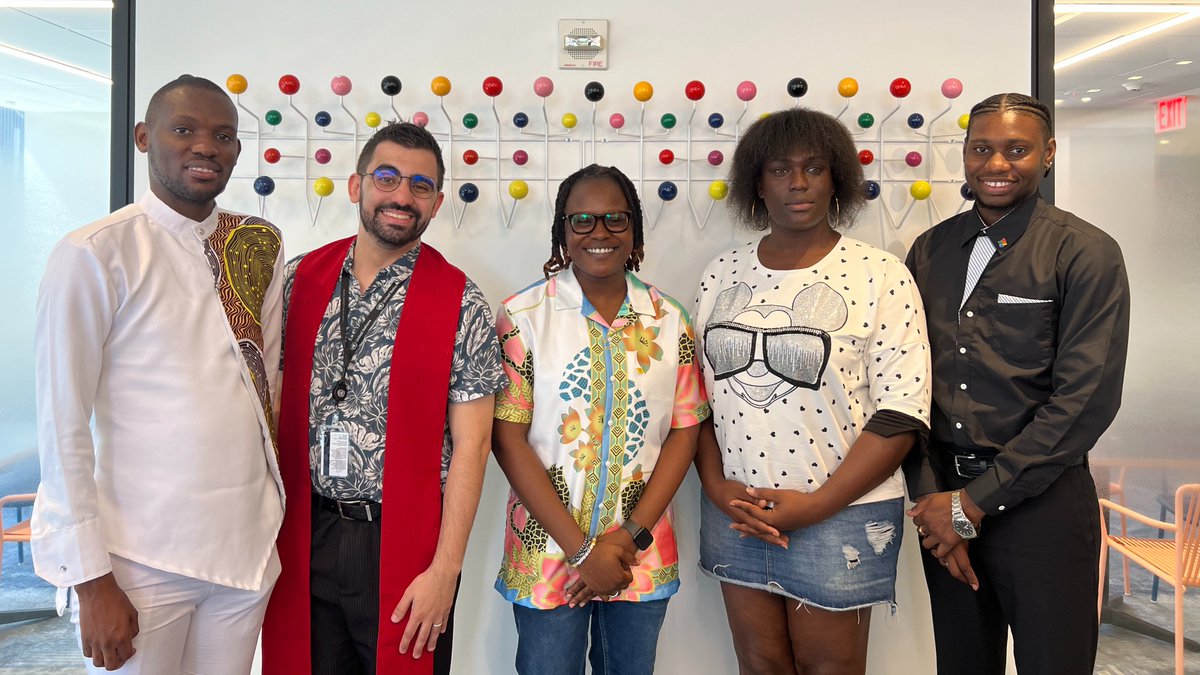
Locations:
{"points": [[843, 563]]}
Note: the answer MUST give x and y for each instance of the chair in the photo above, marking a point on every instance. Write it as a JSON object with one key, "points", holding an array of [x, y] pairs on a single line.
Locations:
{"points": [[18, 533], [1175, 561]]}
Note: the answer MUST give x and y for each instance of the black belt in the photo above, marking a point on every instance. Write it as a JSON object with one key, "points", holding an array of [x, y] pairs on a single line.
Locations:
{"points": [[972, 466], [356, 510]]}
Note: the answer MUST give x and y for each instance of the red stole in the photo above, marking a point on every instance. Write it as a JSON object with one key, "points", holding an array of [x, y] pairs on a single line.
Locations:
{"points": [[418, 389]]}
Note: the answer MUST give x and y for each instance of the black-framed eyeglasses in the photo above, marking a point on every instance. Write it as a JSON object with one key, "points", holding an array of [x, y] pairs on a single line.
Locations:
{"points": [[387, 179], [583, 223]]}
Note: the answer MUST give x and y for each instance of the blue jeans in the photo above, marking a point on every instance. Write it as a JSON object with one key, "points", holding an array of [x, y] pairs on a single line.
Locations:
{"points": [[555, 641]]}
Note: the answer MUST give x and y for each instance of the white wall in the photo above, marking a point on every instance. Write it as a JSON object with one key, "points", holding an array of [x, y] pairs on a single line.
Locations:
{"points": [[665, 43]]}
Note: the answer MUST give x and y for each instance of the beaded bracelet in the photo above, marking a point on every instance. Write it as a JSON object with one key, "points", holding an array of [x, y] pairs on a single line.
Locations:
{"points": [[582, 554]]}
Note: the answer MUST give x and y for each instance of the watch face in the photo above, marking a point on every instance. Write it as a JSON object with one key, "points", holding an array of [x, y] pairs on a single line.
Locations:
{"points": [[964, 528], [643, 539]]}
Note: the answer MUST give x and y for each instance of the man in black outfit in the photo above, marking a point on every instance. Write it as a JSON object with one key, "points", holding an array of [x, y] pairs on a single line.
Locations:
{"points": [[1028, 314]]}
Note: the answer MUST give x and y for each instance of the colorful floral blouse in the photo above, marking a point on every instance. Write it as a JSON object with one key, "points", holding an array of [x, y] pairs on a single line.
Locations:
{"points": [[600, 401]]}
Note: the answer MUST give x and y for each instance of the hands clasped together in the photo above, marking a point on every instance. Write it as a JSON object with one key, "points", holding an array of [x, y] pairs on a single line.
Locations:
{"points": [[607, 569], [932, 516]]}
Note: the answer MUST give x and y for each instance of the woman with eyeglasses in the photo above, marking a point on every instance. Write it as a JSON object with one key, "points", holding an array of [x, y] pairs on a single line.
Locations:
{"points": [[595, 432], [816, 363]]}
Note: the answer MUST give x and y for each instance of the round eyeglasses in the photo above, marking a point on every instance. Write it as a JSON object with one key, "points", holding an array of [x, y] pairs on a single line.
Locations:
{"points": [[583, 223], [387, 179]]}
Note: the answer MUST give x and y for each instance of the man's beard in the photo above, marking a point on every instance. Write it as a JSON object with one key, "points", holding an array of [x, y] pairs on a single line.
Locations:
{"points": [[181, 190], [390, 237]]}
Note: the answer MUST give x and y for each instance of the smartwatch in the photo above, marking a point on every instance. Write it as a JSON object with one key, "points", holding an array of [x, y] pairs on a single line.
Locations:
{"points": [[641, 536]]}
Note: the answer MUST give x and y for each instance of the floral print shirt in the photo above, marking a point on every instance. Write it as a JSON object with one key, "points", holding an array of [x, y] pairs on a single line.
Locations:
{"points": [[600, 400], [475, 371]]}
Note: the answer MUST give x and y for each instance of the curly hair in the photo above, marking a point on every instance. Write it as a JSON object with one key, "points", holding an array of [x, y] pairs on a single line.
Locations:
{"points": [[559, 259], [405, 135], [775, 137]]}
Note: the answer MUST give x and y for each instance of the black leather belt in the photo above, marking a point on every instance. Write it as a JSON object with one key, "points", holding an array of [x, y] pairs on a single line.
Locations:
{"points": [[356, 510], [972, 466]]}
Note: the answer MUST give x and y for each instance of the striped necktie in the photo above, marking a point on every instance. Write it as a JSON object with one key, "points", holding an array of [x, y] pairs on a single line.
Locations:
{"points": [[980, 256]]}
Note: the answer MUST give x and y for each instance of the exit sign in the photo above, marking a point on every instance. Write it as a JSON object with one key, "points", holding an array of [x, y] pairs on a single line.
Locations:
{"points": [[1171, 114]]}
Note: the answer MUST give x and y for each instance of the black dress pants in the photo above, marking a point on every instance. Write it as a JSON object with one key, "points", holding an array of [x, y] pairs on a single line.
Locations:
{"points": [[345, 598], [1038, 570]]}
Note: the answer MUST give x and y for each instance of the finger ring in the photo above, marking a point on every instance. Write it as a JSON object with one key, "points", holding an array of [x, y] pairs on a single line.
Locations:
{"points": [[921, 531], [437, 625], [614, 595]]}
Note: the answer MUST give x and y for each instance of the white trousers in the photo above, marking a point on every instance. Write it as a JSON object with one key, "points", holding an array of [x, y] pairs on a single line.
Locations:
{"points": [[186, 625]]}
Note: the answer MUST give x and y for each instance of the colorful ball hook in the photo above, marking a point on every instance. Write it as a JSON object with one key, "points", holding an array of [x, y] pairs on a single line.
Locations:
{"points": [[916, 120], [900, 87], [323, 118], [341, 85], [866, 120], [264, 185], [273, 117], [920, 190], [440, 86], [323, 187], [913, 159], [716, 120], [289, 84], [716, 157], [272, 155], [390, 85], [964, 120], [468, 192], [797, 87], [470, 157], [694, 90], [322, 155], [666, 157], [518, 189], [847, 87], [373, 119], [747, 90], [236, 83], [593, 91], [952, 87], [420, 119], [643, 91], [667, 191], [569, 120], [470, 120], [492, 86], [871, 189], [966, 192], [865, 157], [616, 120], [520, 157], [543, 86], [520, 120], [668, 121], [718, 190]]}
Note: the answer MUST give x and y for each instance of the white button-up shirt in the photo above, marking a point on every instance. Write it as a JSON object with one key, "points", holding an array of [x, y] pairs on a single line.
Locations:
{"points": [[154, 442]]}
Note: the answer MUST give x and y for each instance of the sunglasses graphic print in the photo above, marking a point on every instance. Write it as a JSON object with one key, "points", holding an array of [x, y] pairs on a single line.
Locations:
{"points": [[764, 363]]}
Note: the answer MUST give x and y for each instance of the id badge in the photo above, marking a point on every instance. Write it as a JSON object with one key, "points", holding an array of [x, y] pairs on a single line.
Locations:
{"points": [[335, 449]]}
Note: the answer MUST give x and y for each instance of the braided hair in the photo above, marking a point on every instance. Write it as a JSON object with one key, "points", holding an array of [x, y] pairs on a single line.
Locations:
{"points": [[559, 259], [1017, 103]]}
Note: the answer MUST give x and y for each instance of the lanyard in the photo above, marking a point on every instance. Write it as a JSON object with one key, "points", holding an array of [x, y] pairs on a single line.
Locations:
{"points": [[350, 345]]}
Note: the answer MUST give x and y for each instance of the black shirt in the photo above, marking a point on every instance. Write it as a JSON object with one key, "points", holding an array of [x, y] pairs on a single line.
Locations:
{"points": [[1030, 369]]}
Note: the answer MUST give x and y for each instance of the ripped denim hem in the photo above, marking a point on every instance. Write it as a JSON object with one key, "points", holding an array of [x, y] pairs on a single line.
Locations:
{"points": [[776, 589]]}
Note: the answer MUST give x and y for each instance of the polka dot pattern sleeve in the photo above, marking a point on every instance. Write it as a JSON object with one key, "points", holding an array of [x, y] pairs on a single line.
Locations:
{"points": [[898, 358]]}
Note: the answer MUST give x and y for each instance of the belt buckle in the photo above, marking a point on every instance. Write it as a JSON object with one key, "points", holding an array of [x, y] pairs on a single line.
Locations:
{"points": [[969, 466]]}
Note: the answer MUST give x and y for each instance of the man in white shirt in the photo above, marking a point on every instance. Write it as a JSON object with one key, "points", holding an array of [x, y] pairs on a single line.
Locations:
{"points": [[158, 333]]}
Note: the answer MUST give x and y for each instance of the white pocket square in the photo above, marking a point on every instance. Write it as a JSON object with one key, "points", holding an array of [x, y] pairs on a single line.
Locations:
{"points": [[1005, 299]]}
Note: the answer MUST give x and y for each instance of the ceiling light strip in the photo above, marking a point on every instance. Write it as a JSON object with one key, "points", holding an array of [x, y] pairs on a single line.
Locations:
{"points": [[43, 60], [1125, 39], [1098, 8], [56, 4]]}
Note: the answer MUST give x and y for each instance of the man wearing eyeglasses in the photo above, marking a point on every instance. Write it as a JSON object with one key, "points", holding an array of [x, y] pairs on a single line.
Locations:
{"points": [[390, 367]]}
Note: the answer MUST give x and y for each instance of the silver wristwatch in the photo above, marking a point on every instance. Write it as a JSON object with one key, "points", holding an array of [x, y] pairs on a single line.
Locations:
{"points": [[962, 524]]}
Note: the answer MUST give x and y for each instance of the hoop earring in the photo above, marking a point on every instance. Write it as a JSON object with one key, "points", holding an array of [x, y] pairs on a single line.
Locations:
{"points": [[837, 222], [753, 216]]}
